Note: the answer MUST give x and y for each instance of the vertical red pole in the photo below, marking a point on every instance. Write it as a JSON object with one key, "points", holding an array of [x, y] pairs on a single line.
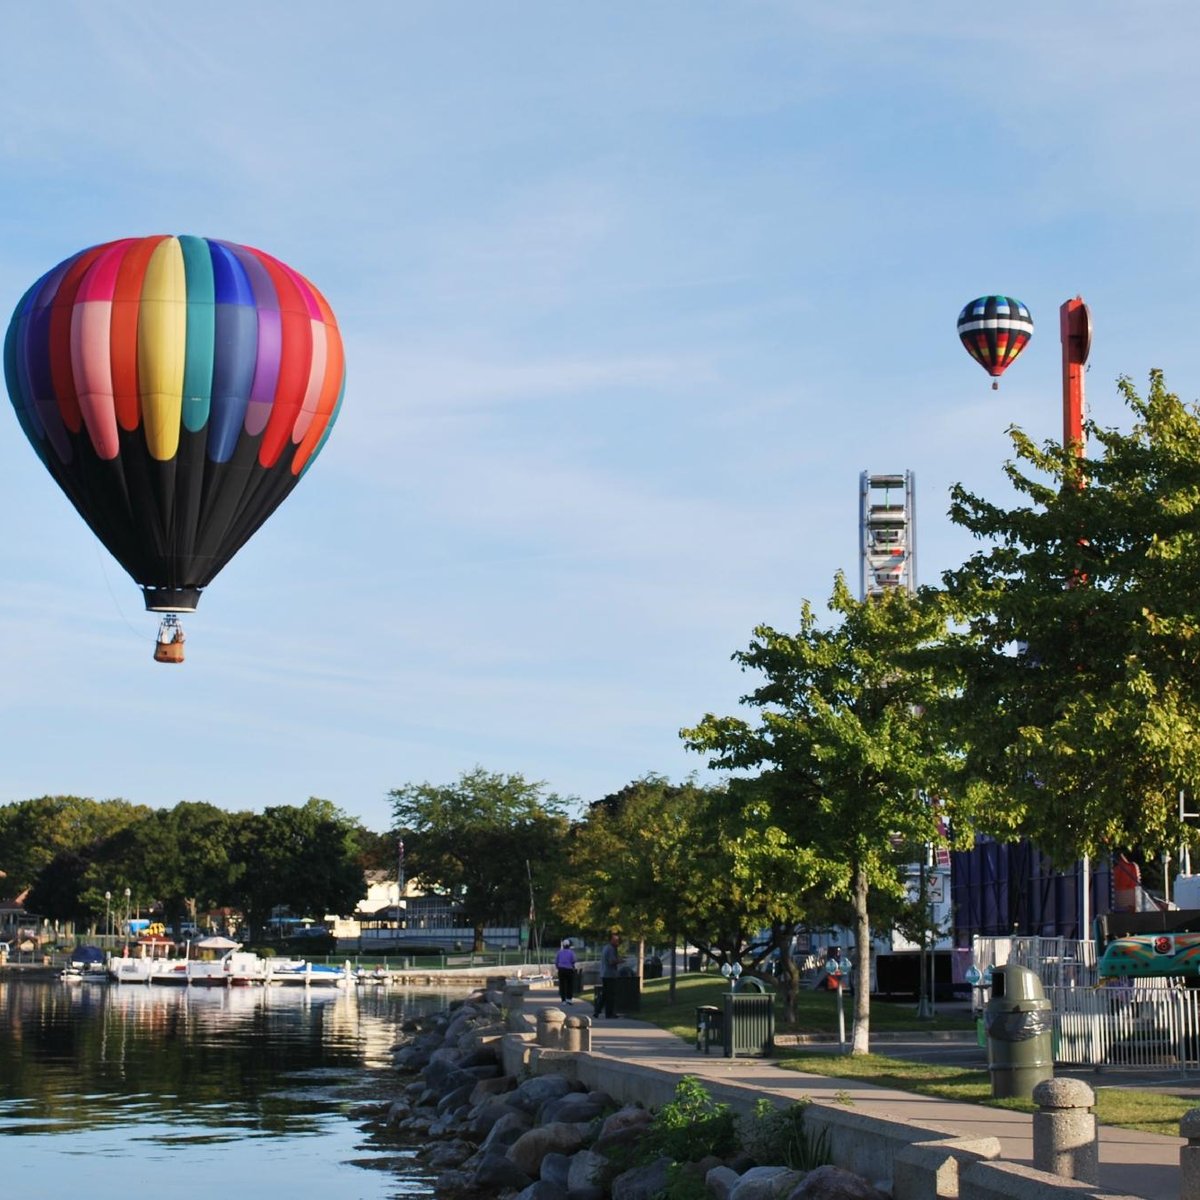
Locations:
{"points": [[1075, 327]]}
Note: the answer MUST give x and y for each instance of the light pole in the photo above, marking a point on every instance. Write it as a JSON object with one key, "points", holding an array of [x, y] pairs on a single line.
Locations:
{"points": [[128, 893], [107, 921]]}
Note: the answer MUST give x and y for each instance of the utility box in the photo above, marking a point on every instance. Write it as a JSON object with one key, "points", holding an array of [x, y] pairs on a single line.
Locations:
{"points": [[1019, 1029]]}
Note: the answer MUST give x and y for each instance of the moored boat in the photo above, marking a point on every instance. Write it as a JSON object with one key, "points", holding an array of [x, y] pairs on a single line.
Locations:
{"points": [[299, 972], [86, 965]]}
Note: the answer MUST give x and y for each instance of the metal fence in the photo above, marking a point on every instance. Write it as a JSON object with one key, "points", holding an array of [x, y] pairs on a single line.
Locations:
{"points": [[1147, 1027], [1059, 962]]}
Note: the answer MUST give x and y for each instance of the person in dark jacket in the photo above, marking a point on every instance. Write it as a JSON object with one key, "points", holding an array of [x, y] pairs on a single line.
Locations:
{"points": [[610, 966], [564, 960]]}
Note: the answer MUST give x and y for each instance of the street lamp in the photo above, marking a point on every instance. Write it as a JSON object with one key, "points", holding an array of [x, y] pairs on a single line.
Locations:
{"points": [[128, 893], [107, 922]]}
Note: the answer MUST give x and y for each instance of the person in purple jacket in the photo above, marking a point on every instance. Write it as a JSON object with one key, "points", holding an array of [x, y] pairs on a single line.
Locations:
{"points": [[564, 960]]}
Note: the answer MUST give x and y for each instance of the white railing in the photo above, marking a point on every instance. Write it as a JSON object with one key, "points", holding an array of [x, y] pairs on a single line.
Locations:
{"points": [[1152, 1025], [1059, 962]]}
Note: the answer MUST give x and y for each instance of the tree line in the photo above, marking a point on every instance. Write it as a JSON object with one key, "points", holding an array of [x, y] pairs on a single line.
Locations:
{"points": [[75, 857]]}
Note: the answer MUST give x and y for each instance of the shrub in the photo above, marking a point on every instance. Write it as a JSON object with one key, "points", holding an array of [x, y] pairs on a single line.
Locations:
{"points": [[690, 1127], [777, 1136]]}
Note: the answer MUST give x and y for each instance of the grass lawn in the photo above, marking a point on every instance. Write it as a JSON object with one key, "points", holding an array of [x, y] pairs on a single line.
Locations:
{"points": [[1153, 1112], [816, 1012]]}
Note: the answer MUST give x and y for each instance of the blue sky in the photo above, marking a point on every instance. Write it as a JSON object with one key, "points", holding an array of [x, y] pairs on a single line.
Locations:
{"points": [[630, 295]]}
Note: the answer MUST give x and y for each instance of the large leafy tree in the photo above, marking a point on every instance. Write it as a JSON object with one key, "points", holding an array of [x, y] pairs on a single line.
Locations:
{"points": [[184, 858], [483, 841], [845, 751], [305, 858], [33, 833], [658, 859], [1080, 708]]}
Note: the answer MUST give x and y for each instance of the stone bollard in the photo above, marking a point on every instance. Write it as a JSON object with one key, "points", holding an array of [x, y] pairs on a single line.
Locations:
{"points": [[1189, 1155], [577, 1034], [514, 1001], [1065, 1141], [550, 1028]]}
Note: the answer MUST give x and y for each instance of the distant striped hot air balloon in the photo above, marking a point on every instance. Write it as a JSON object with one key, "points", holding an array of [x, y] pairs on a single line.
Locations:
{"points": [[176, 388], [995, 329]]}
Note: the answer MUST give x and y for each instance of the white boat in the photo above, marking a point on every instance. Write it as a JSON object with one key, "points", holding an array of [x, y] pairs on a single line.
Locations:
{"points": [[299, 972], [208, 962], [221, 962], [86, 965]]}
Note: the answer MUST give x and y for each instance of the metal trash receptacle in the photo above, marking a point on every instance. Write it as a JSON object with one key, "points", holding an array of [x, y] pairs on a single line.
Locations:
{"points": [[749, 1023], [1019, 1029]]}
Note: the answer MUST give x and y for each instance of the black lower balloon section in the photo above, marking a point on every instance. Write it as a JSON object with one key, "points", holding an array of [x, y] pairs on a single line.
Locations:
{"points": [[171, 600], [174, 523]]}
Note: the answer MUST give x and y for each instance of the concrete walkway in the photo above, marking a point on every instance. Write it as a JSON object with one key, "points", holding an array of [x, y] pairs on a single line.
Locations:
{"points": [[1131, 1163]]}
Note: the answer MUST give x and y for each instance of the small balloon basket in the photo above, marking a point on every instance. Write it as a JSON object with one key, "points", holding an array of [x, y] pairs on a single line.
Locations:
{"points": [[168, 646]]}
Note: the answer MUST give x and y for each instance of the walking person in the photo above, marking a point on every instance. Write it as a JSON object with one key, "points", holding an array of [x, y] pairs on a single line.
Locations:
{"points": [[564, 960], [610, 966]]}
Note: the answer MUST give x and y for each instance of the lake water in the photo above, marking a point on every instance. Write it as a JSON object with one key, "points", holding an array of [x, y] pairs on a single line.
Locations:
{"points": [[109, 1091]]}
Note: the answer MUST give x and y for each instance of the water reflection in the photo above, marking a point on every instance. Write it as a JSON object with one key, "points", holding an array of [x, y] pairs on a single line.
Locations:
{"points": [[243, 1078]]}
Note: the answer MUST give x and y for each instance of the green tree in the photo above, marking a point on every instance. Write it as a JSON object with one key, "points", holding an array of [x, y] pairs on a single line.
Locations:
{"points": [[182, 858], [482, 841], [305, 859], [1085, 737], [844, 748], [708, 863], [34, 832]]}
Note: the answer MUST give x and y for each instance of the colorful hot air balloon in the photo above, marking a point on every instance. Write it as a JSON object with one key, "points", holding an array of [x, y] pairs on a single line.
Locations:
{"points": [[995, 329], [176, 388]]}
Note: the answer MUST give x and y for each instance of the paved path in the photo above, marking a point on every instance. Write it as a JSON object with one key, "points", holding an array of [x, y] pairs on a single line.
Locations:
{"points": [[1131, 1163]]}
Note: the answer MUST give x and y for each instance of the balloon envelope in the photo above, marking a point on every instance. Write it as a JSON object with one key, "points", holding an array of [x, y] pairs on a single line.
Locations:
{"points": [[995, 329], [176, 388]]}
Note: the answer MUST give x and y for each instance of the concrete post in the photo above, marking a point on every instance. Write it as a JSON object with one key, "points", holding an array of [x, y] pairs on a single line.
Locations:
{"points": [[577, 1034], [1065, 1142], [550, 1028], [1189, 1155], [514, 1001]]}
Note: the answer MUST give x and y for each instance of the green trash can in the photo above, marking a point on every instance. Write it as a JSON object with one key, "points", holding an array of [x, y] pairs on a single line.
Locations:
{"points": [[749, 1022], [1019, 1032]]}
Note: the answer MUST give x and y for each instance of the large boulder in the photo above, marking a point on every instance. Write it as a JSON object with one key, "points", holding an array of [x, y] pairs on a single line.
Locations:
{"points": [[766, 1183], [443, 1155], [485, 1115], [588, 1170], [506, 1131], [533, 1093], [721, 1181], [486, 1088], [533, 1145], [576, 1106], [833, 1183], [555, 1169], [452, 1183], [624, 1127], [643, 1183], [495, 1172], [478, 1056], [541, 1190], [455, 1099]]}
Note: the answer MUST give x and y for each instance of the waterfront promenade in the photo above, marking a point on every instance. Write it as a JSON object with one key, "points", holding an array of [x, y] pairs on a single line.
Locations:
{"points": [[1131, 1163]]}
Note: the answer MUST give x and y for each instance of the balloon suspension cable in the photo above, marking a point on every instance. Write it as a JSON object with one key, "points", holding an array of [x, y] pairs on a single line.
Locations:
{"points": [[168, 646]]}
